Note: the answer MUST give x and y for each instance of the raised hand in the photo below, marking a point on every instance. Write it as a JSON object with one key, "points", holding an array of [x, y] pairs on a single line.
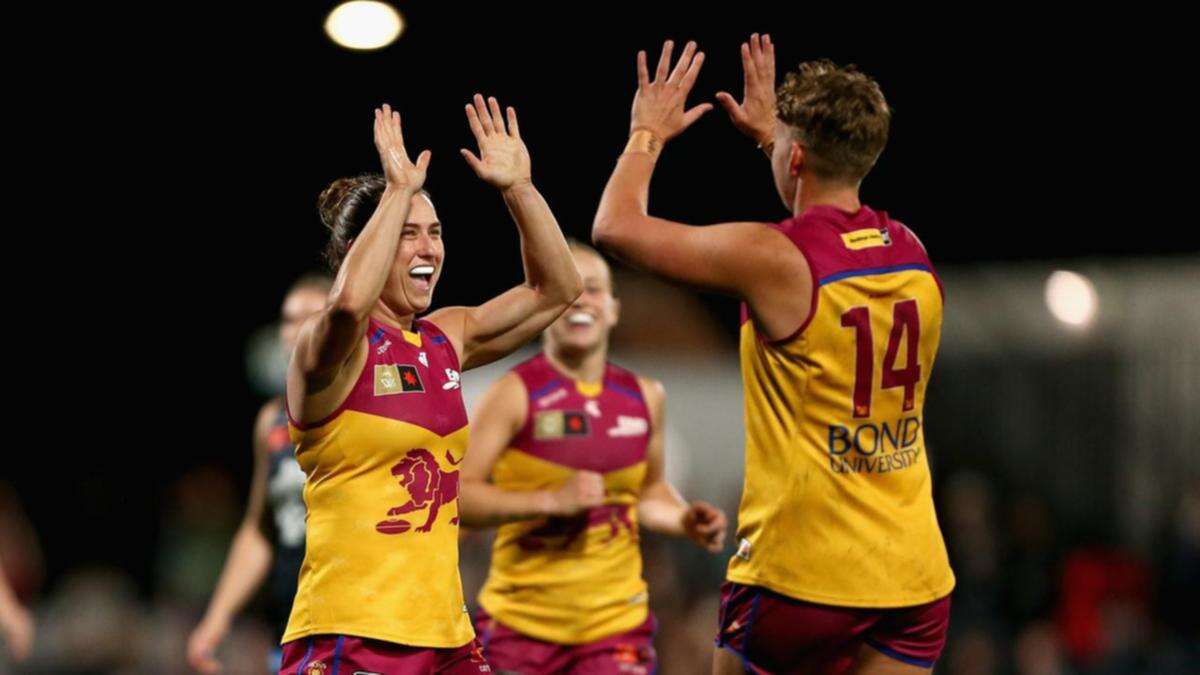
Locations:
{"points": [[503, 159], [398, 169], [755, 115], [658, 105], [705, 525]]}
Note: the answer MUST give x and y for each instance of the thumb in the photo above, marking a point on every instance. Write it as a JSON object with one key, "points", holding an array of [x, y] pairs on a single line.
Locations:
{"points": [[696, 113], [729, 104], [471, 159], [423, 159]]}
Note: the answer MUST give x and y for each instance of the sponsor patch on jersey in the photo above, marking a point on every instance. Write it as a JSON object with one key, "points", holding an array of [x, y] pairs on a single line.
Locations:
{"points": [[868, 238], [629, 426], [394, 378], [554, 424]]}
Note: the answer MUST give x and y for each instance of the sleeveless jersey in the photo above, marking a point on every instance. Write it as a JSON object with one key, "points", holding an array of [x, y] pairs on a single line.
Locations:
{"points": [[573, 580], [837, 505], [382, 493], [285, 500]]}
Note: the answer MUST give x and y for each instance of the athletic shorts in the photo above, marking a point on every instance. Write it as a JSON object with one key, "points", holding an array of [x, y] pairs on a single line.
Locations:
{"points": [[774, 634], [348, 655], [628, 653]]}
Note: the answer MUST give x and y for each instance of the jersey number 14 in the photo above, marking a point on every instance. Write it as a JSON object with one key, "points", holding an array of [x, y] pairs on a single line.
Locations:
{"points": [[906, 322]]}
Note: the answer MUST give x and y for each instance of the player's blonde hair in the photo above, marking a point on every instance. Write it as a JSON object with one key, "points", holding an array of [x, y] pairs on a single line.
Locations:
{"points": [[838, 114]]}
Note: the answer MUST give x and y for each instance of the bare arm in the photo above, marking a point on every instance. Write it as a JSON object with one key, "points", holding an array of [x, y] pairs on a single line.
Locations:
{"points": [[16, 624], [750, 260], [661, 508], [495, 328], [498, 418], [248, 562], [329, 339]]}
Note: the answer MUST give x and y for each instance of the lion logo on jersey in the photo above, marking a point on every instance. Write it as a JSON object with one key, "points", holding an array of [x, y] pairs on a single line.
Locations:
{"points": [[562, 532], [428, 488]]}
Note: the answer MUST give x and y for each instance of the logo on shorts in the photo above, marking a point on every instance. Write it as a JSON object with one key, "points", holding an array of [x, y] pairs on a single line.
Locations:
{"points": [[555, 424], [394, 378], [363, 672], [315, 668]]}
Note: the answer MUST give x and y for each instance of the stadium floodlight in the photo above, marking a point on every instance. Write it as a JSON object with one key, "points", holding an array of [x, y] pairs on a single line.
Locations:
{"points": [[364, 25], [1071, 298]]}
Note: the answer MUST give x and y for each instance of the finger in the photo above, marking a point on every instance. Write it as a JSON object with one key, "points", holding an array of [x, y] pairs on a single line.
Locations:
{"points": [[513, 128], [685, 60], [768, 70], [423, 160], [473, 122], [694, 114], [693, 71], [643, 73], [755, 47], [485, 119], [664, 62], [471, 159], [397, 130], [497, 118], [730, 105], [749, 72]]}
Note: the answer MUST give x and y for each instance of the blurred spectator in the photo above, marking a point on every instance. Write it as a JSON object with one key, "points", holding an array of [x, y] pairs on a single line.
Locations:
{"points": [[201, 515]]}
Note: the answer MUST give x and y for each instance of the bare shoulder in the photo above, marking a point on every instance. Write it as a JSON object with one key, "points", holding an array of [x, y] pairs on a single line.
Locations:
{"points": [[653, 391], [452, 321]]}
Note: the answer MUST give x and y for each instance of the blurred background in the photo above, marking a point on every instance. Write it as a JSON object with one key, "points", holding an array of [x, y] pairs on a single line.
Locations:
{"points": [[1062, 419]]}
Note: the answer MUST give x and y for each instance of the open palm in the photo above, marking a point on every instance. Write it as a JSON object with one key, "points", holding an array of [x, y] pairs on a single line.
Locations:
{"points": [[503, 160]]}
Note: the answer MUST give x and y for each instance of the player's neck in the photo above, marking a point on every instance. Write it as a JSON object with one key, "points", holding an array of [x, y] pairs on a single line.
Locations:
{"points": [[839, 196], [392, 318], [584, 366]]}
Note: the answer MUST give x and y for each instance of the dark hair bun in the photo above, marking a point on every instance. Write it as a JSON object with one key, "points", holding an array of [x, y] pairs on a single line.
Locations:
{"points": [[345, 207]]}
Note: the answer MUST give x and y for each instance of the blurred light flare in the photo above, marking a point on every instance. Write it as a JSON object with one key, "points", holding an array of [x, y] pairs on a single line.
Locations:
{"points": [[364, 25], [1071, 298]]}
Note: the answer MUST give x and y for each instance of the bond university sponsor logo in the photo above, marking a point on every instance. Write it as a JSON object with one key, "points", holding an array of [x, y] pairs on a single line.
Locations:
{"points": [[629, 426], [452, 379], [556, 424], [395, 378], [867, 238], [382, 349], [874, 448]]}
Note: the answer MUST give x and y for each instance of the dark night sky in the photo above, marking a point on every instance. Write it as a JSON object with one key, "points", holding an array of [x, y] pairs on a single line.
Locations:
{"points": [[255, 115]]}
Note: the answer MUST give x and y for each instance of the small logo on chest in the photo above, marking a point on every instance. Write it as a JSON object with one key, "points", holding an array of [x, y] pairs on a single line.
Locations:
{"points": [[395, 378], [555, 424], [629, 426]]}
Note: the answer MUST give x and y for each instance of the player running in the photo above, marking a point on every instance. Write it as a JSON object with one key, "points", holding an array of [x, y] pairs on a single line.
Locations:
{"points": [[377, 413], [573, 446], [840, 562], [277, 491]]}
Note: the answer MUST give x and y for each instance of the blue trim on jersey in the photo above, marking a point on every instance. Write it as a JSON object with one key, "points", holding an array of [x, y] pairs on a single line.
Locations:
{"points": [[439, 339], [546, 389], [872, 271], [337, 653], [377, 335], [898, 656], [635, 395]]}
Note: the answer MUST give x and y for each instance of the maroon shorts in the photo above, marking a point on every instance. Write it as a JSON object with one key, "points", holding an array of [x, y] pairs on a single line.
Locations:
{"points": [[628, 653], [773, 633], [345, 654]]}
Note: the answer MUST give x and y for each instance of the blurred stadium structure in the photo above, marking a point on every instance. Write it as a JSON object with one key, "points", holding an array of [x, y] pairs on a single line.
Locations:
{"points": [[1065, 460]]}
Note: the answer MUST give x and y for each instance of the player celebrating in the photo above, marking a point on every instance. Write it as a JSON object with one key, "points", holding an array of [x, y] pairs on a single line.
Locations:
{"points": [[840, 562], [277, 488], [573, 445], [377, 413]]}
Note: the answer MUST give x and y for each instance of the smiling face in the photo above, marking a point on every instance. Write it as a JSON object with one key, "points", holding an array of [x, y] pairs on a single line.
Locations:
{"points": [[418, 263], [588, 321]]}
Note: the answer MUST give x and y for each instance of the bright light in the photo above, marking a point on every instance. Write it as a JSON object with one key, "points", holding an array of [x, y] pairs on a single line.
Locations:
{"points": [[364, 24], [1071, 298]]}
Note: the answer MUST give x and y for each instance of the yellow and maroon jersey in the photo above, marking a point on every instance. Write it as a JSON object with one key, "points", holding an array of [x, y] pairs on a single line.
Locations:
{"points": [[837, 505], [573, 580], [381, 557]]}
